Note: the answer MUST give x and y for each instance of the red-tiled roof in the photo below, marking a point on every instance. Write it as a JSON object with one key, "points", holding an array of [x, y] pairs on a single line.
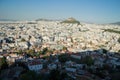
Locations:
{"points": [[34, 62]]}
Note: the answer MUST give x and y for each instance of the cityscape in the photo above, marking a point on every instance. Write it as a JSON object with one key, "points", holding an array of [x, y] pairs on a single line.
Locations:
{"points": [[56, 47]]}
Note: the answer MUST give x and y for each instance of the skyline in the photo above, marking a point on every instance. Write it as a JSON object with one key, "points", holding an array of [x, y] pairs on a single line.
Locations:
{"points": [[95, 11]]}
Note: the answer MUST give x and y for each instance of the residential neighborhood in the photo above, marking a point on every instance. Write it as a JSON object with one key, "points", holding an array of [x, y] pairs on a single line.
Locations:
{"points": [[54, 50]]}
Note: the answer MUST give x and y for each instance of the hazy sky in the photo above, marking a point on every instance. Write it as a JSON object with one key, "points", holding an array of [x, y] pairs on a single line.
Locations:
{"points": [[97, 11]]}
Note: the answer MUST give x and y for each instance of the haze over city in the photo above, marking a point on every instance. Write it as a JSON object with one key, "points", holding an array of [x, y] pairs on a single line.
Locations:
{"points": [[95, 11]]}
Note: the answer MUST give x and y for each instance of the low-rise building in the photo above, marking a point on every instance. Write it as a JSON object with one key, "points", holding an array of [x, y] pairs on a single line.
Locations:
{"points": [[52, 66], [35, 65], [77, 56], [70, 69]]}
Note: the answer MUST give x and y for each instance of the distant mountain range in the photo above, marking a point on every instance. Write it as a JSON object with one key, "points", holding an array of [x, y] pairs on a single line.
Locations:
{"points": [[67, 20], [7, 20], [47, 20], [42, 20], [116, 23]]}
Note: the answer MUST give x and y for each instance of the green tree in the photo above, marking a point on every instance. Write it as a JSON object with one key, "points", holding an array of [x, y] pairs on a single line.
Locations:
{"points": [[23, 40], [37, 54], [3, 63], [104, 51], [44, 51], [19, 51], [55, 74], [64, 75], [64, 48], [40, 52], [118, 50], [31, 52], [30, 75], [72, 40], [88, 60], [119, 40], [63, 58]]}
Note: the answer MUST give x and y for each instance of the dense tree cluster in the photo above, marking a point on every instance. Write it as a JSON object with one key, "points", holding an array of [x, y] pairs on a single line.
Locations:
{"points": [[57, 75], [111, 30], [30, 75], [63, 58], [3, 63], [53, 75], [87, 60]]}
